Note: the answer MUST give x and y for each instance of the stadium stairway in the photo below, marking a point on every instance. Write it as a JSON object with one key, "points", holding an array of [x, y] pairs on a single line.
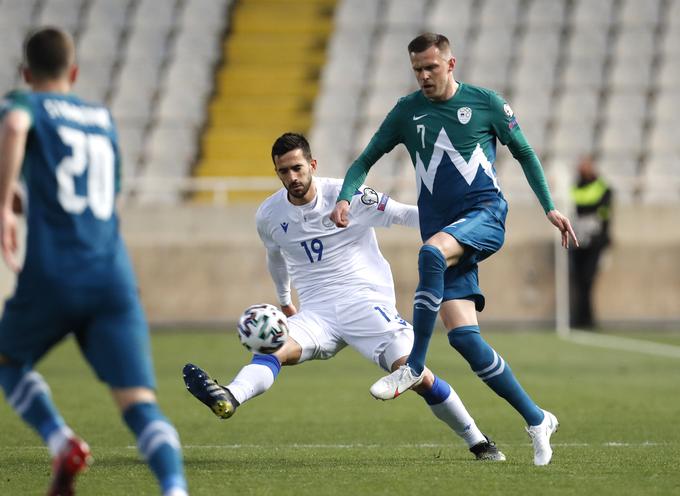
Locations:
{"points": [[267, 84]]}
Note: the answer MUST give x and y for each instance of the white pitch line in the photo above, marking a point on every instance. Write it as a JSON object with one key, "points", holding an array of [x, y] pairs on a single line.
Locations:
{"points": [[625, 344], [609, 444]]}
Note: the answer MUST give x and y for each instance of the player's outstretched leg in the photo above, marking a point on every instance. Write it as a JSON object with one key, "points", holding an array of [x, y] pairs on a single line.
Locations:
{"points": [[209, 392], [29, 395], [252, 380], [159, 445], [447, 406], [496, 373]]}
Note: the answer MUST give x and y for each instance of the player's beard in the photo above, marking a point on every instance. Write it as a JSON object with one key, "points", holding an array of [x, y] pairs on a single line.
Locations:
{"points": [[299, 192]]}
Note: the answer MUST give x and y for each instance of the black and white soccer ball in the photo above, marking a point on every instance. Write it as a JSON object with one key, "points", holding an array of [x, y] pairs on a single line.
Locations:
{"points": [[263, 328]]}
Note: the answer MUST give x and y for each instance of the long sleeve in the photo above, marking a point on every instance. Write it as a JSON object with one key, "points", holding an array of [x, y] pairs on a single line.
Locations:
{"points": [[279, 274], [383, 141], [403, 214], [276, 264], [525, 155]]}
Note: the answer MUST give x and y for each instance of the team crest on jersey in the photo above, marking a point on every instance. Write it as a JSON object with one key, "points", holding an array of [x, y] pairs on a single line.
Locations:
{"points": [[369, 197], [508, 111], [464, 115], [327, 223]]}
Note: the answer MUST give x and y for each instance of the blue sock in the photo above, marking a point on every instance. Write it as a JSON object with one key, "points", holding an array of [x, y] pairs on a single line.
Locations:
{"points": [[269, 361], [29, 396], [426, 303], [492, 369], [439, 392], [158, 443]]}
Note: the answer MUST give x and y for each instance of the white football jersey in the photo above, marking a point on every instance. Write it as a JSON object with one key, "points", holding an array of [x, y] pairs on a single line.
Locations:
{"points": [[325, 262]]}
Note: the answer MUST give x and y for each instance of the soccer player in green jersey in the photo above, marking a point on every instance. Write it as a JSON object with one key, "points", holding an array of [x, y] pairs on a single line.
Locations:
{"points": [[450, 130]]}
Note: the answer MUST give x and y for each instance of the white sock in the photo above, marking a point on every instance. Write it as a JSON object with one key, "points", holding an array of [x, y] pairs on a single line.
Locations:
{"points": [[453, 413], [253, 379], [57, 440]]}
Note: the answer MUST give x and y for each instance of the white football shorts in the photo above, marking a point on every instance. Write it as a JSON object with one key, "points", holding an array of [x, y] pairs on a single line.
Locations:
{"points": [[368, 322]]}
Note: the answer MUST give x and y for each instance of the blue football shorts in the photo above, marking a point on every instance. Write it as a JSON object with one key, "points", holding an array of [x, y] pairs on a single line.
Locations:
{"points": [[481, 231], [107, 322]]}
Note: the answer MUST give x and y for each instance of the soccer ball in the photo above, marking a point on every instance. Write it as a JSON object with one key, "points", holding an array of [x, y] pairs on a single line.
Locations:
{"points": [[262, 328]]}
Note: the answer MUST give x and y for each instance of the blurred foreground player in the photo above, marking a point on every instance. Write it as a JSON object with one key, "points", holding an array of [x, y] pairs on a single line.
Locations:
{"points": [[76, 277], [345, 288]]}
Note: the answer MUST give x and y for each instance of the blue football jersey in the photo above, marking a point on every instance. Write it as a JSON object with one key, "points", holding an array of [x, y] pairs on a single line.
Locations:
{"points": [[71, 170]]}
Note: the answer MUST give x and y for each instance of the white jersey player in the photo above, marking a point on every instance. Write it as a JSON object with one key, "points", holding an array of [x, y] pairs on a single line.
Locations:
{"points": [[345, 289]]}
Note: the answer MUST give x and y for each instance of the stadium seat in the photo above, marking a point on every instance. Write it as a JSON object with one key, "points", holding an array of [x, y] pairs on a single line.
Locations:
{"points": [[490, 72], [625, 106], [102, 43], [663, 138], [589, 13], [206, 17], [63, 13], [108, 13], [572, 139], [356, 15], [545, 14], [587, 42], [532, 103], [148, 43], [670, 44], [540, 42], [451, 19], [405, 14], [95, 78], [534, 73], [622, 137], [496, 41], [668, 76], [635, 42], [499, 13], [631, 73], [636, 13], [673, 14], [380, 101], [578, 105], [665, 107], [584, 72], [170, 151], [153, 14], [130, 138], [17, 13]]}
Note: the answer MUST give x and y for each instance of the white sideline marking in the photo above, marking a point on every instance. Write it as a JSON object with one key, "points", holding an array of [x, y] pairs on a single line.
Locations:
{"points": [[625, 344]]}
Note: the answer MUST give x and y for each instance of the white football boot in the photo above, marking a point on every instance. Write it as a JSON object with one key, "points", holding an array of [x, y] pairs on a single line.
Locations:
{"points": [[540, 438], [391, 386]]}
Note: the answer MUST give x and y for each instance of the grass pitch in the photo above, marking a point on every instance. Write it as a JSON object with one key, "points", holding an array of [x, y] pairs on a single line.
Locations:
{"points": [[317, 431]]}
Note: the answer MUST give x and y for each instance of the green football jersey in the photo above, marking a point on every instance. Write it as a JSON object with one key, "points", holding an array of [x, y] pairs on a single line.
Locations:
{"points": [[452, 145]]}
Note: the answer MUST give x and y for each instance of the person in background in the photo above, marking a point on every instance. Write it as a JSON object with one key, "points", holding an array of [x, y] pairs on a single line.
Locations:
{"points": [[592, 198]]}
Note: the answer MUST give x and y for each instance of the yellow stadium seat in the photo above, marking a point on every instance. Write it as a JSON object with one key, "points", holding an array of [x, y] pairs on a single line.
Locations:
{"points": [[273, 57]]}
